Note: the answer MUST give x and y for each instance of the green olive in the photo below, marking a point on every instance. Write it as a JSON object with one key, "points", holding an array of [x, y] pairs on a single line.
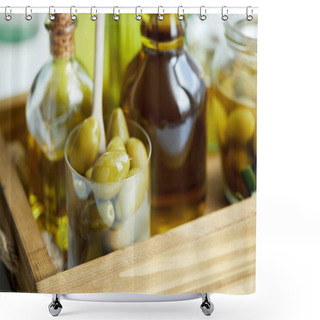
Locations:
{"points": [[88, 173], [96, 216], [240, 126], [118, 125], [85, 148], [137, 153], [101, 215], [106, 212], [121, 237], [116, 144], [135, 228], [95, 221], [131, 194], [221, 120], [110, 167], [80, 187]]}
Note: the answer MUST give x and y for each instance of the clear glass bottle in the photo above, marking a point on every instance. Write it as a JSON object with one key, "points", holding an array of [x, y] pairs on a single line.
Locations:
{"points": [[235, 106], [164, 90], [60, 98]]}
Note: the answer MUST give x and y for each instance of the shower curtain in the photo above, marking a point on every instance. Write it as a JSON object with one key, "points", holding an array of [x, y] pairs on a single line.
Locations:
{"points": [[128, 152]]}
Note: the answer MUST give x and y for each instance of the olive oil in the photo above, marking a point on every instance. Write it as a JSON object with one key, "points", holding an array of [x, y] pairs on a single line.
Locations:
{"points": [[165, 92], [47, 192]]}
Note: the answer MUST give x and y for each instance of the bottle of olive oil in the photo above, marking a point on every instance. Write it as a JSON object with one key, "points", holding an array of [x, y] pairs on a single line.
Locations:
{"points": [[60, 98], [164, 90]]}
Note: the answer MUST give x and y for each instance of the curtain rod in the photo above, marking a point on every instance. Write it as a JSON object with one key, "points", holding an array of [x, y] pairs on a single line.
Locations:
{"points": [[135, 10]]}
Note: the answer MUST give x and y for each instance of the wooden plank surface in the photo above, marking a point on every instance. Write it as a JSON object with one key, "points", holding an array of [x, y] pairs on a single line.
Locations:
{"points": [[13, 119], [215, 253], [34, 261]]}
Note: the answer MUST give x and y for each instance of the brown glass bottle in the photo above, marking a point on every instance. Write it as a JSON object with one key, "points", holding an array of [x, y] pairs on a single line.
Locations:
{"points": [[164, 90]]}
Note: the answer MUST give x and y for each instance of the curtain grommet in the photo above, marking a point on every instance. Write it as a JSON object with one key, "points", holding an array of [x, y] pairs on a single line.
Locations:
{"points": [[52, 13], [180, 14], [138, 16], [224, 13], [160, 16], [28, 12], [116, 16], [249, 16], [93, 16], [203, 13], [73, 17], [7, 16]]}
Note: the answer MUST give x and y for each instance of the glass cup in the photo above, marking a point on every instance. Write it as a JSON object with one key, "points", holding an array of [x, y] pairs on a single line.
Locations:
{"points": [[104, 217]]}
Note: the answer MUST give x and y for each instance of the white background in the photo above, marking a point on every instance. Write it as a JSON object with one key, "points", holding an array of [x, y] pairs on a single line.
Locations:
{"points": [[288, 238]]}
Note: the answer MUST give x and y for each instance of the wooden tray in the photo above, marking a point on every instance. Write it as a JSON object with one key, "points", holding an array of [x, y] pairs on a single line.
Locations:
{"points": [[214, 253]]}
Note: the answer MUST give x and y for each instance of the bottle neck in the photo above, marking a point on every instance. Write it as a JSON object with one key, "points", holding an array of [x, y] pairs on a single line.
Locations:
{"points": [[162, 46], [63, 61], [162, 36], [61, 32], [62, 46]]}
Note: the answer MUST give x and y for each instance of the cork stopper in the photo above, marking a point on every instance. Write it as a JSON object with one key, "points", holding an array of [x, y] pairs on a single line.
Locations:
{"points": [[61, 36]]}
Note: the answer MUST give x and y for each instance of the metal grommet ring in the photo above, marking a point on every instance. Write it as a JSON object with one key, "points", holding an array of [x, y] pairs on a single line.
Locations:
{"points": [[93, 16], [51, 13], [249, 15], [203, 13], [7, 16], [73, 17], [224, 13], [28, 16], [116, 15], [160, 16], [180, 14], [138, 16]]}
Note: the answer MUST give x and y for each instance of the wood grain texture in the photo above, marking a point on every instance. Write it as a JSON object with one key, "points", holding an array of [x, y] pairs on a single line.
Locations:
{"points": [[34, 261], [13, 119], [215, 253]]}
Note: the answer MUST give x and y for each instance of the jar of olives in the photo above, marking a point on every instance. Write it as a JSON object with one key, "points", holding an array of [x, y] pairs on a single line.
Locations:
{"points": [[108, 195], [235, 106]]}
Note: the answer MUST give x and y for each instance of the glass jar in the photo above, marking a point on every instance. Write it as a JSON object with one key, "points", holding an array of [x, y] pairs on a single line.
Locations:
{"points": [[235, 106]]}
